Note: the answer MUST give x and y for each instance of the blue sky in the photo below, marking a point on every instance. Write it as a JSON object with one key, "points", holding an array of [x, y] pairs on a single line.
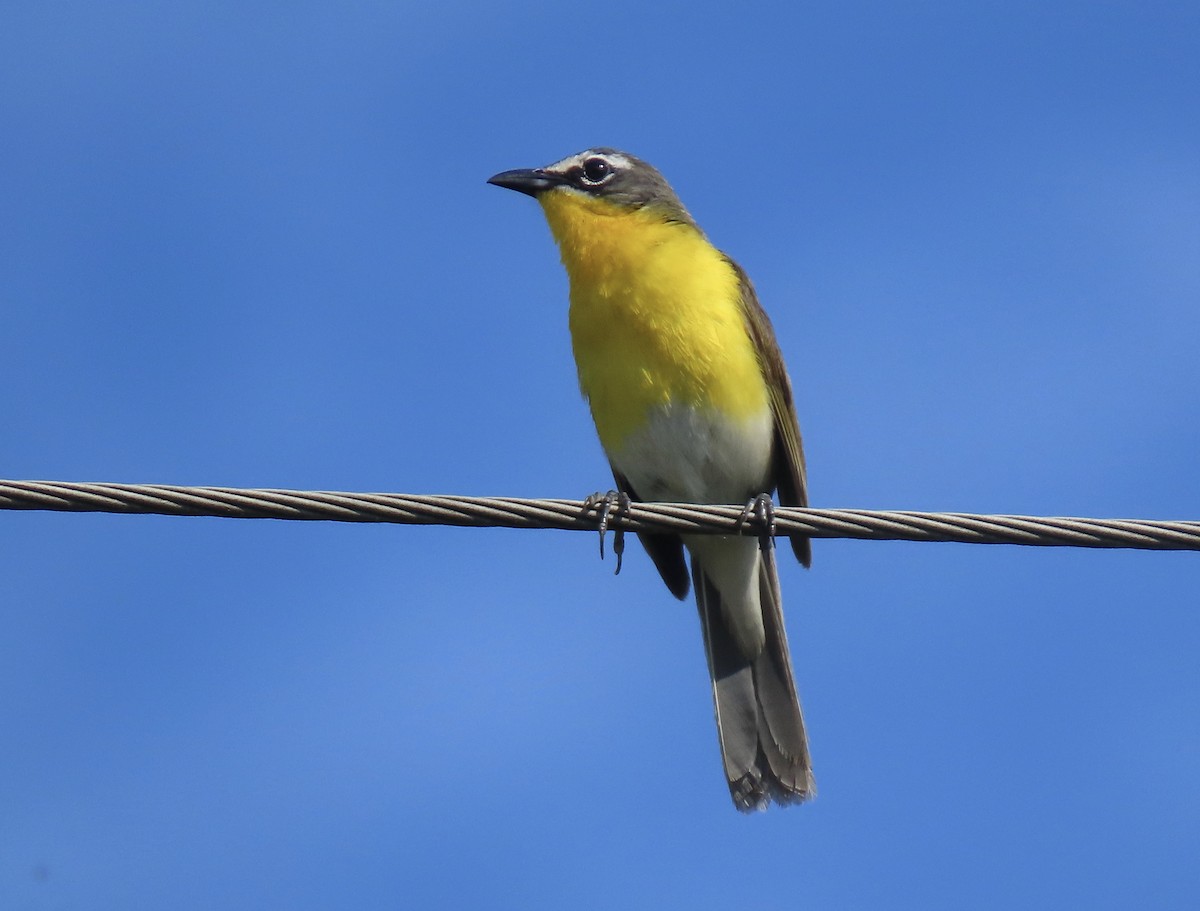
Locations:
{"points": [[251, 245]]}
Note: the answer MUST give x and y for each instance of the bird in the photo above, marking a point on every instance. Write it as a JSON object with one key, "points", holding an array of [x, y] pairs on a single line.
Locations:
{"points": [[692, 403]]}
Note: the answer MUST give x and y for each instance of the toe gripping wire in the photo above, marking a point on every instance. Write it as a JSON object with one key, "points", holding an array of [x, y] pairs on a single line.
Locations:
{"points": [[605, 503]]}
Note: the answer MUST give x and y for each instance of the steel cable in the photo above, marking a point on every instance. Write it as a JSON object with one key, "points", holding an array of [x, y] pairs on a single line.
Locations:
{"points": [[514, 512]]}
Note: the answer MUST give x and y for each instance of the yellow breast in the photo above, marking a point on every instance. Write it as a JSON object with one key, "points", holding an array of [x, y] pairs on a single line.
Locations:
{"points": [[656, 316]]}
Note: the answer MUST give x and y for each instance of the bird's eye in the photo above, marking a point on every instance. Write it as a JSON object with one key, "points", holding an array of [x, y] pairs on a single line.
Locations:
{"points": [[595, 170]]}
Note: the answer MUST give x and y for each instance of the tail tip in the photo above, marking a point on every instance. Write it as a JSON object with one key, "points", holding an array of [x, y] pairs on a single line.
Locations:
{"points": [[754, 793]]}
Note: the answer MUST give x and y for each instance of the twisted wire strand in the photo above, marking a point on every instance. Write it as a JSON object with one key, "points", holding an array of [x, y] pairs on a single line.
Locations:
{"points": [[514, 512]]}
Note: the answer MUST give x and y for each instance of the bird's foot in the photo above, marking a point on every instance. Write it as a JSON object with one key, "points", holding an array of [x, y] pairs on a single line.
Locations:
{"points": [[762, 510], [605, 503]]}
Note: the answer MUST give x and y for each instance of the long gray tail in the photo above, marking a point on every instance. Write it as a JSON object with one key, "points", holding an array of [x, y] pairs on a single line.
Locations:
{"points": [[759, 722]]}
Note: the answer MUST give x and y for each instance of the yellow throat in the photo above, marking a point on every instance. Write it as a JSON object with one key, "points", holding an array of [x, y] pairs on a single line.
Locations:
{"points": [[656, 316]]}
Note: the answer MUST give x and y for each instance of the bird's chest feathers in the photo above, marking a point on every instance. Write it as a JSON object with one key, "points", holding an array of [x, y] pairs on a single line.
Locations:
{"points": [[656, 317]]}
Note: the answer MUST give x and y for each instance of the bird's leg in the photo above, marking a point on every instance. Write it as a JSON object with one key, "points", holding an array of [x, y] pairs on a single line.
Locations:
{"points": [[605, 503], [762, 510]]}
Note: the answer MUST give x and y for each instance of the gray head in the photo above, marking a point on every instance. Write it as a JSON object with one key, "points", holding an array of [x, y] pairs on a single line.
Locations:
{"points": [[602, 173]]}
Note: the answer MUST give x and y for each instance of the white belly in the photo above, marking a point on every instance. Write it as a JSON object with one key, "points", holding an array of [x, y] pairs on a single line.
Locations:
{"points": [[694, 455], [697, 456]]}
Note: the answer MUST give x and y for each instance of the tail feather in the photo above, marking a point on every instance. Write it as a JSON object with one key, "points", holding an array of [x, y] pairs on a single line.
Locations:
{"points": [[759, 723]]}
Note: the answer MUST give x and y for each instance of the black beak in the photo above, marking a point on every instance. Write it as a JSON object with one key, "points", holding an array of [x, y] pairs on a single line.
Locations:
{"points": [[529, 181]]}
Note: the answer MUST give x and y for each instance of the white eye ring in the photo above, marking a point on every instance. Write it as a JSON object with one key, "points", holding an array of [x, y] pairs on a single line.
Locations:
{"points": [[596, 170]]}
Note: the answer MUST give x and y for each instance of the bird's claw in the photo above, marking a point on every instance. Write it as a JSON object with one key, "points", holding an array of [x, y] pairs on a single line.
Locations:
{"points": [[605, 503], [762, 510]]}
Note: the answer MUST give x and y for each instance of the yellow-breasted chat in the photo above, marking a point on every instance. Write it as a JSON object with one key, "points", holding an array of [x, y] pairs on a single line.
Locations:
{"points": [[692, 403]]}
